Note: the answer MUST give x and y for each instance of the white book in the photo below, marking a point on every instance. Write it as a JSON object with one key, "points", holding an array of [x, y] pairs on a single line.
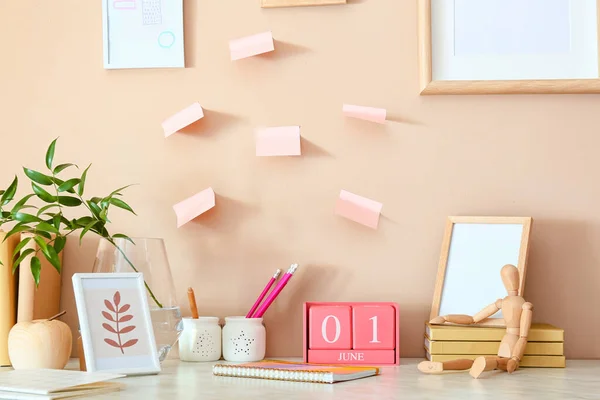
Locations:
{"points": [[55, 384]]}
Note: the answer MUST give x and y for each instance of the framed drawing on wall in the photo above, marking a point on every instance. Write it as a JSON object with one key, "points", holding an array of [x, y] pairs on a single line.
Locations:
{"points": [[508, 46], [474, 250]]}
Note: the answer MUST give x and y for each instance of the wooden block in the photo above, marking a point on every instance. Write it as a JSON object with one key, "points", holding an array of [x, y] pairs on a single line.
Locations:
{"points": [[330, 327], [371, 357], [299, 3], [373, 328]]}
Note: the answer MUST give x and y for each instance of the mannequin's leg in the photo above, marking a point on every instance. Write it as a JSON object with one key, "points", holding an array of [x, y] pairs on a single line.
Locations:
{"points": [[434, 367], [491, 363]]}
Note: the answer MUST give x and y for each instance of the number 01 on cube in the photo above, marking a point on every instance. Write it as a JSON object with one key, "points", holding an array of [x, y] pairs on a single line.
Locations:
{"points": [[351, 333]]}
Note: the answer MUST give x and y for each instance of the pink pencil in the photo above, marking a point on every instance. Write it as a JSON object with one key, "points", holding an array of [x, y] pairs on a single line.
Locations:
{"points": [[288, 275], [263, 293]]}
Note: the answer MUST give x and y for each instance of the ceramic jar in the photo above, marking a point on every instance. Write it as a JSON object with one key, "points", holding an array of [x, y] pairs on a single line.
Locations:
{"points": [[244, 339], [200, 339]]}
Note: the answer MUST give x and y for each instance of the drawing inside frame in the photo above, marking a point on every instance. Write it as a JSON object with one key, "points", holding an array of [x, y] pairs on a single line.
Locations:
{"points": [[508, 46]]}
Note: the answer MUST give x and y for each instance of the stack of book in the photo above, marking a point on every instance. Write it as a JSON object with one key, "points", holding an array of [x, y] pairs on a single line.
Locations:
{"points": [[545, 346]]}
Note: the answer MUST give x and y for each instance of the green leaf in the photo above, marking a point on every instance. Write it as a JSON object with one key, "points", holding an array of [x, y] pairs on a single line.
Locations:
{"points": [[104, 214], [59, 243], [59, 182], [118, 190], [9, 193], [61, 167], [41, 242], [50, 154], [46, 227], [43, 233], [20, 246], [70, 184], [46, 208], [20, 227], [52, 256], [42, 194], [121, 236], [96, 200], [21, 258], [82, 183], [2, 192], [69, 201], [25, 218], [38, 177], [83, 221], [121, 204], [36, 268], [95, 209], [85, 230], [56, 221], [21, 203]]}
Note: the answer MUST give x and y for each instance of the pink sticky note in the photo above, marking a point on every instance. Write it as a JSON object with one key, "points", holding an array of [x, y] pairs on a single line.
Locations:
{"points": [[367, 113], [194, 206], [183, 118], [278, 141], [358, 209], [251, 45]]}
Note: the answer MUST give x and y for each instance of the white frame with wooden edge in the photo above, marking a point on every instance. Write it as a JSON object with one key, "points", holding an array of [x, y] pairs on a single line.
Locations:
{"points": [[429, 86], [299, 3], [153, 365], [526, 222]]}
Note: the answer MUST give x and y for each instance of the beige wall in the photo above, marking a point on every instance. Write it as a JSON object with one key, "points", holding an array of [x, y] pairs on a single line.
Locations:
{"points": [[479, 155]]}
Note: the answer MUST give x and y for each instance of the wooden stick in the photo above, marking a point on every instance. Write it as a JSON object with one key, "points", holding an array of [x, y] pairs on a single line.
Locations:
{"points": [[192, 300], [60, 314]]}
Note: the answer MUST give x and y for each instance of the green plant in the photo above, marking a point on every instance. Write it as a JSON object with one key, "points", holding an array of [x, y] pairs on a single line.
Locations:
{"points": [[47, 225]]}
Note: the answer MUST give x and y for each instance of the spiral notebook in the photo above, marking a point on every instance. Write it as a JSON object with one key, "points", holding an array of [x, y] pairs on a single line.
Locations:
{"points": [[289, 371]]}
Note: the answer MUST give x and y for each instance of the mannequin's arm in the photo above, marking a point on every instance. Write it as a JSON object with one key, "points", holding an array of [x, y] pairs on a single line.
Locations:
{"points": [[519, 349], [467, 319]]}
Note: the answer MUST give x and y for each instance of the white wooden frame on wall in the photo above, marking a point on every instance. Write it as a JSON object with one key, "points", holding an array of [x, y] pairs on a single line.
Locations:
{"points": [[453, 60]]}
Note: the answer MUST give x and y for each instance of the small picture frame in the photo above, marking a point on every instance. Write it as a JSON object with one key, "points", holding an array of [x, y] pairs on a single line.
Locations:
{"points": [[474, 250], [115, 323]]}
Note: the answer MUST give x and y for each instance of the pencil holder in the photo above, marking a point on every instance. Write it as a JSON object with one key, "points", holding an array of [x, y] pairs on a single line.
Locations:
{"points": [[200, 339], [244, 339]]}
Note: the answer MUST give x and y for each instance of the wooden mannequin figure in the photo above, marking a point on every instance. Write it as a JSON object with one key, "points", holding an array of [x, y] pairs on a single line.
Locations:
{"points": [[517, 315]]}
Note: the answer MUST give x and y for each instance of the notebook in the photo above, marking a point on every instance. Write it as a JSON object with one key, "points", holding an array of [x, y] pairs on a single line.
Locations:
{"points": [[289, 371], [50, 384]]}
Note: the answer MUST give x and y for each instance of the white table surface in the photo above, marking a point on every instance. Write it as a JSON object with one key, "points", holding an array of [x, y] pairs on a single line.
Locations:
{"points": [[181, 380]]}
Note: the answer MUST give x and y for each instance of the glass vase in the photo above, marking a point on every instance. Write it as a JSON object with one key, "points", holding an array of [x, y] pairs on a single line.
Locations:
{"points": [[149, 257]]}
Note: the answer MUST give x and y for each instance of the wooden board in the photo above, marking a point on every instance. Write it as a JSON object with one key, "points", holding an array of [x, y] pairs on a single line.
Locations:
{"points": [[299, 3]]}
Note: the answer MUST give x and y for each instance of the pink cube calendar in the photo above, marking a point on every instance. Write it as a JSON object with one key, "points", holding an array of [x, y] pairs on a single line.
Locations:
{"points": [[351, 333]]}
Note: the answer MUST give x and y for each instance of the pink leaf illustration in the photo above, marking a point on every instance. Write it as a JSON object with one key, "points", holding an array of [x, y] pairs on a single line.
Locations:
{"points": [[127, 329], [109, 305], [118, 318], [129, 343], [124, 308], [126, 318], [108, 316], [112, 343]]}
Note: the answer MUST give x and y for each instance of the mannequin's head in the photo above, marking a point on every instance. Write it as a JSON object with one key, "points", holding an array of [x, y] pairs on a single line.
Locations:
{"points": [[510, 278]]}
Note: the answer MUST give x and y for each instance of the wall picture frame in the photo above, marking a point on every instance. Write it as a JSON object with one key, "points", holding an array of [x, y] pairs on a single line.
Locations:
{"points": [[508, 46], [115, 323], [299, 3], [474, 250]]}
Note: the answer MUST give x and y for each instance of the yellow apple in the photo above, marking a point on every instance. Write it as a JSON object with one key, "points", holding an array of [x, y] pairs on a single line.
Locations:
{"points": [[39, 344]]}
